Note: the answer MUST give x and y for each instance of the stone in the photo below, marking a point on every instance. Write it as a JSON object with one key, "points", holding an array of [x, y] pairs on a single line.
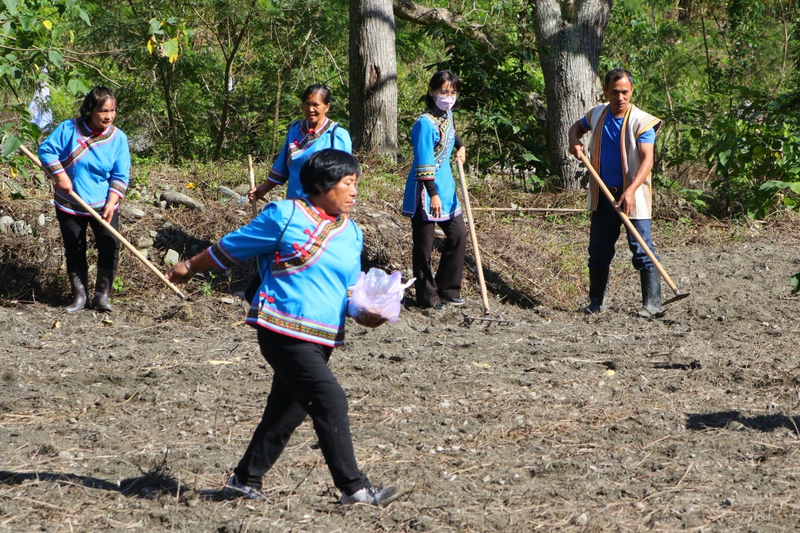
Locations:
{"points": [[173, 198], [42, 219], [144, 242], [5, 224], [172, 258], [20, 228], [131, 212], [227, 193]]}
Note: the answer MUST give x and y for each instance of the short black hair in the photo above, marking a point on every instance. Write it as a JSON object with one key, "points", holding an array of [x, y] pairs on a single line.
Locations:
{"points": [[439, 79], [317, 88], [324, 169], [96, 97], [617, 74]]}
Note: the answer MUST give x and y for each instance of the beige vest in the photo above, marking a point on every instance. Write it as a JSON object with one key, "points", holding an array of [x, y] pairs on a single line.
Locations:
{"points": [[635, 123]]}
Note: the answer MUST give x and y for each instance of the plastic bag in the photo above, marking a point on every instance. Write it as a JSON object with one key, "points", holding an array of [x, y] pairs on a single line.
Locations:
{"points": [[378, 293]]}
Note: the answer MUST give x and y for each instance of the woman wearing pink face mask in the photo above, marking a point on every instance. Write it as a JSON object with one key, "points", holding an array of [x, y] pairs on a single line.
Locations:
{"points": [[430, 196]]}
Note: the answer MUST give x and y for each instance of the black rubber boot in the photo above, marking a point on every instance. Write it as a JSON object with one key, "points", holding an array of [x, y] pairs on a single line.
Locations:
{"points": [[598, 280], [78, 281], [102, 289], [651, 293]]}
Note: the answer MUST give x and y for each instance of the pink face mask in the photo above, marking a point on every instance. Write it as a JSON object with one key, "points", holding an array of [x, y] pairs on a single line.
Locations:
{"points": [[445, 103]]}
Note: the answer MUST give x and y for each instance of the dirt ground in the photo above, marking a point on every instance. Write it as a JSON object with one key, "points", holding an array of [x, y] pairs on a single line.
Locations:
{"points": [[551, 421]]}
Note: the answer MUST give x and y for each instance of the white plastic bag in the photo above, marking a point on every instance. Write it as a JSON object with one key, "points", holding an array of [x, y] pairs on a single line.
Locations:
{"points": [[378, 293]]}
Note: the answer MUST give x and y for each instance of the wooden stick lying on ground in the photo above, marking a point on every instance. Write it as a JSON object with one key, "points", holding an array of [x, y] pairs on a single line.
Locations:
{"points": [[109, 227], [531, 209]]}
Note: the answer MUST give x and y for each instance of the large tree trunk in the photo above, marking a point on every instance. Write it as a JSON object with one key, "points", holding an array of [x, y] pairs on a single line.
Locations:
{"points": [[373, 78], [570, 38]]}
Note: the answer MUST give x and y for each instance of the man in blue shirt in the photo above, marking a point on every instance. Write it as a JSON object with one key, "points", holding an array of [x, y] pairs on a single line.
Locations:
{"points": [[621, 149]]}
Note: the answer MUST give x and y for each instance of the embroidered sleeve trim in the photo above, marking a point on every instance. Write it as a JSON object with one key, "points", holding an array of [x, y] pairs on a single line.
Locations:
{"points": [[118, 187], [276, 177], [54, 168], [222, 258]]}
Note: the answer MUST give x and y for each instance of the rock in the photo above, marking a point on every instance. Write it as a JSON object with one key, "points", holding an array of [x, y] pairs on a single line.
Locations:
{"points": [[42, 219], [175, 198], [5, 224], [581, 519], [227, 193], [242, 189], [144, 242], [172, 258], [128, 211], [20, 228]]}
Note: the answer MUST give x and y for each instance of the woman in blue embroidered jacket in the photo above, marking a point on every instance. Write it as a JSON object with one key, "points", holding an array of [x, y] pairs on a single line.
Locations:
{"points": [[310, 253], [304, 138], [430, 196], [90, 156]]}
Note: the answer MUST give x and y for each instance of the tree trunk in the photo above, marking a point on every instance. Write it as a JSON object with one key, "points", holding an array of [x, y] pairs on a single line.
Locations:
{"points": [[570, 38], [166, 69], [373, 78]]}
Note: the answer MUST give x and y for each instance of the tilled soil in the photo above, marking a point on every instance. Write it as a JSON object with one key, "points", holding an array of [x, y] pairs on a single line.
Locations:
{"points": [[551, 421]]}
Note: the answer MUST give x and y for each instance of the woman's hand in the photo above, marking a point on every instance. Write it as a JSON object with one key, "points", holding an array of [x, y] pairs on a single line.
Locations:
{"points": [[259, 192], [108, 210], [461, 155], [436, 206], [63, 183], [369, 320], [180, 273]]}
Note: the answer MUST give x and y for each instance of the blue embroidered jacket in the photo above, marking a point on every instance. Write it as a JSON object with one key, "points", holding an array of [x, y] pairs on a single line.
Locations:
{"points": [[432, 139], [96, 163], [299, 146], [306, 274]]}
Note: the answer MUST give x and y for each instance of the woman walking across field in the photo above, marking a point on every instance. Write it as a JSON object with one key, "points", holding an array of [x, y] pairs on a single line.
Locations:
{"points": [[90, 156], [304, 138], [310, 256], [430, 196]]}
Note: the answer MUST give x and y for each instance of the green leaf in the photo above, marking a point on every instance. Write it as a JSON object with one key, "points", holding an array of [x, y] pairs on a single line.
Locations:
{"points": [[723, 157], [11, 6], [155, 27], [796, 281], [696, 133], [55, 57], [530, 157], [84, 16], [777, 185], [11, 145], [77, 87], [172, 49]]}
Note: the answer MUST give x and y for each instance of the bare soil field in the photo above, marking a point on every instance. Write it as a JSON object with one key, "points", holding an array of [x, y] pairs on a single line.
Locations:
{"points": [[550, 421]]}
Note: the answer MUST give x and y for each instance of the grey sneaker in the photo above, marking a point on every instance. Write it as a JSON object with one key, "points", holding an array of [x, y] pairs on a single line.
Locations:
{"points": [[373, 495], [234, 489]]}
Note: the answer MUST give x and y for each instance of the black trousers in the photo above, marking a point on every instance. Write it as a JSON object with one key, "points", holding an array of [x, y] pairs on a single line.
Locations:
{"points": [[73, 231], [303, 385], [447, 283]]}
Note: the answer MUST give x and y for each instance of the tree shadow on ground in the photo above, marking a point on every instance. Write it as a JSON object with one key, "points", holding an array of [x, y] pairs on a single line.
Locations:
{"points": [[149, 485], [763, 423]]}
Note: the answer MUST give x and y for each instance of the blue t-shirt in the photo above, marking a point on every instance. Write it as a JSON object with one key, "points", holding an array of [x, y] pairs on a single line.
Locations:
{"points": [[610, 150]]}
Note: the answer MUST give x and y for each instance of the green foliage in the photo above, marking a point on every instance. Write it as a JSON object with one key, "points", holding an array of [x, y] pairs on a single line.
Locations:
{"points": [[500, 95], [756, 153], [35, 34], [119, 284], [207, 288], [714, 74], [796, 282]]}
